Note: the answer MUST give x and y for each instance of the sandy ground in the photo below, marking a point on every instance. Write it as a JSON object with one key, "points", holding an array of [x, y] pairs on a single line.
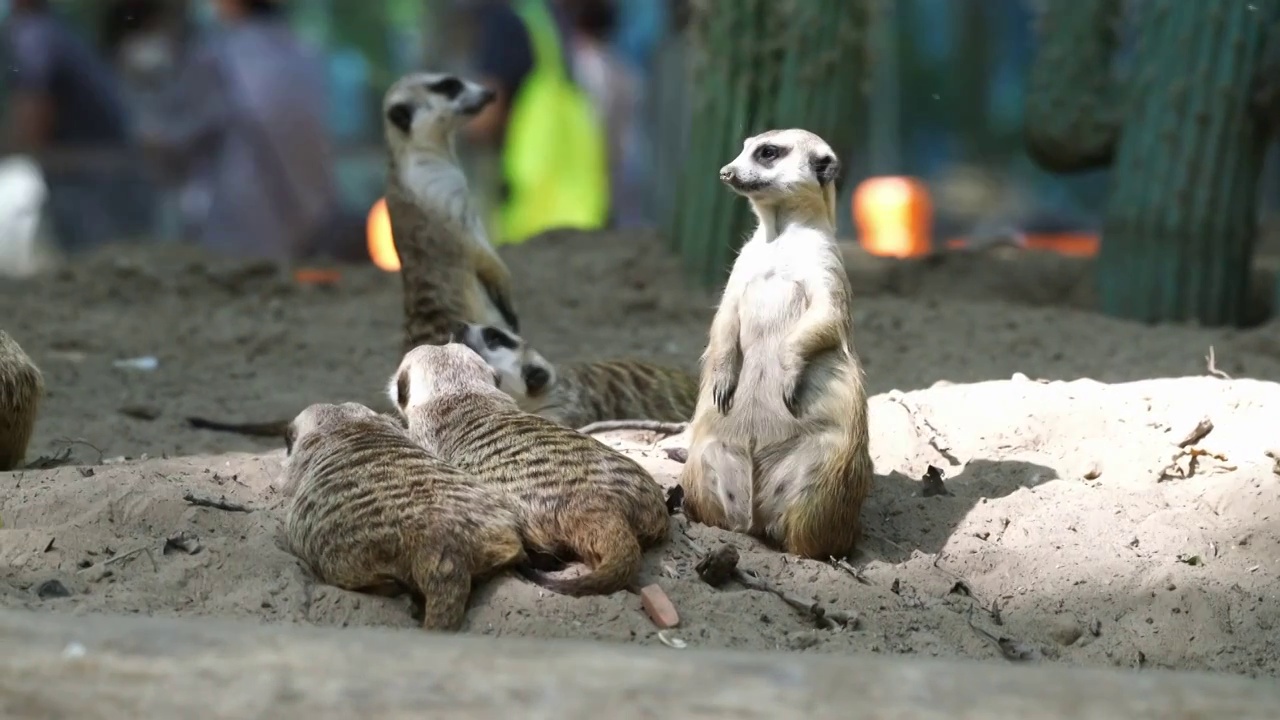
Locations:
{"points": [[1057, 531]]}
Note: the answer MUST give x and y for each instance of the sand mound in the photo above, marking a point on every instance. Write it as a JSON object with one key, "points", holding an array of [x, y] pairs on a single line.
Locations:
{"points": [[1056, 530]]}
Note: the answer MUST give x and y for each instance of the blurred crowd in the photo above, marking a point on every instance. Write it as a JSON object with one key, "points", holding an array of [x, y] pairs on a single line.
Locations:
{"points": [[218, 112]]}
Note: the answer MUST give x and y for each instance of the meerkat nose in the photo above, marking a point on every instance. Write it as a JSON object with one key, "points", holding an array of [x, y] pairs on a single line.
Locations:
{"points": [[726, 173]]}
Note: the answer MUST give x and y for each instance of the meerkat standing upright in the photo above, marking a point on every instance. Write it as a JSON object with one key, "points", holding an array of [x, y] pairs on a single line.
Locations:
{"points": [[450, 271], [21, 386], [778, 443]]}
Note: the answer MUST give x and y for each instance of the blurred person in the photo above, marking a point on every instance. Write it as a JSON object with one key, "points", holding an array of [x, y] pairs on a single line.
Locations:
{"points": [[252, 137], [64, 106], [639, 30], [614, 87], [550, 145], [147, 42]]}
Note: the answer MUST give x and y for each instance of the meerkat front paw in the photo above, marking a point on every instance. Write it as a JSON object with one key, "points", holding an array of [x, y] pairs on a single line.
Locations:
{"points": [[724, 384], [791, 387]]}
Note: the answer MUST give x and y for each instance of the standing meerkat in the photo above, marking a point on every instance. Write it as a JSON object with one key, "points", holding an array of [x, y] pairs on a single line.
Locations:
{"points": [[778, 444], [372, 511], [450, 271], [624, 392], [576, 497], [21, 386]]}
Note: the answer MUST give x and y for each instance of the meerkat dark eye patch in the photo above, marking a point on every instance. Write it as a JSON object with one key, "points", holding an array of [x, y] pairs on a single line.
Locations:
{"points": [[401, 116], [450, 87], [768, 154], [290, 436], [826, 168], [535, 378], [494, 339]]}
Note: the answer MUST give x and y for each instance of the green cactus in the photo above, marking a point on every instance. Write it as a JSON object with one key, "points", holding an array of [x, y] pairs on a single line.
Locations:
{"points": [[757, 65], [1181, 136]]}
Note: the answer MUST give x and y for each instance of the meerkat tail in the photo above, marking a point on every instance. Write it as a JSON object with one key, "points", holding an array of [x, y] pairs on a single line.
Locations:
{"points": [[497, 283], [275, 428], [445, 585], [666, 428], [607, 545]]}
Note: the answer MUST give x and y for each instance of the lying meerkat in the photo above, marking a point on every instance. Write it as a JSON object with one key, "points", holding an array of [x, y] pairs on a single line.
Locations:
{"points": [[372, 511], [449, 270], [577, 498], [21, 387], [593, 396], [778, 444]]}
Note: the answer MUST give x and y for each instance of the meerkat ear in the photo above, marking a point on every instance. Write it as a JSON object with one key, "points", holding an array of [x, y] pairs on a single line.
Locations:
{"points": [[826, 167], [402, 390], [401, 115], [535, 378]]}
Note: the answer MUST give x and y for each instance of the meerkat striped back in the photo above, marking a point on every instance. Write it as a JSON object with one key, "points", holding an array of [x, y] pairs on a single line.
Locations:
{"points": [[540, 462], [367, 475]]}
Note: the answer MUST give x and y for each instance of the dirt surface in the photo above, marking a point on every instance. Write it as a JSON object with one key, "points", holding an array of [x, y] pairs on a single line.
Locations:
{"points": [[1056, 515]]}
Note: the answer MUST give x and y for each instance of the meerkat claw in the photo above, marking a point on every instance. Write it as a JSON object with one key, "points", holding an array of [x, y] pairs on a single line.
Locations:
{"points": [[723, 392]]}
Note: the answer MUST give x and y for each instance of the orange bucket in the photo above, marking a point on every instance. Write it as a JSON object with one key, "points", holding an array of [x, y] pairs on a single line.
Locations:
{"points": [[894, 216]]}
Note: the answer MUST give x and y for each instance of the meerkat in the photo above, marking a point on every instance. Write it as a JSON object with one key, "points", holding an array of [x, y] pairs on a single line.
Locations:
{"points": [[621, 394], [779, 445], [372, 511], [577, 498], [449, 270], [21, 387]]}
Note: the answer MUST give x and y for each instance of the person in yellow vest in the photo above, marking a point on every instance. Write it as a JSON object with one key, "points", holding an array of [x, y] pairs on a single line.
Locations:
{"points": [[554, 162]]}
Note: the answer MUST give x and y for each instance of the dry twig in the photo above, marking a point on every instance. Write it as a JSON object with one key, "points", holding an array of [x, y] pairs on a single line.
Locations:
{"points": [[721, 564], [1198, 433], [1211, 364], [220, 504]]}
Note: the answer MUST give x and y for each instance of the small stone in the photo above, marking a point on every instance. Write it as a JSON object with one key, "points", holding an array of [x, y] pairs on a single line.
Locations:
{"points": [[718, 566], [1093, 471], [52, 589]]}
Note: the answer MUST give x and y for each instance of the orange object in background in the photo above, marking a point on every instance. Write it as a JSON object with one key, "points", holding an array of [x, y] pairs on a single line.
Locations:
{"points": [[894, 216], [1070, 244], [316, 276], [382, 248]]}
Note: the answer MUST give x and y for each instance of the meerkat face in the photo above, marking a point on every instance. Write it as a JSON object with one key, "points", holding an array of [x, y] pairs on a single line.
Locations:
{"points": [[781, 163], [430, 371], [522, 371], [428, 107], [315, 418]]}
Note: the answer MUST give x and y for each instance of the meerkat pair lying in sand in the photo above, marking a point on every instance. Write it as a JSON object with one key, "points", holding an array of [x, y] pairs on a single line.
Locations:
{"points": [[779, 446], [474, 486], [21, 387], [576, 498], [372, 511]]}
